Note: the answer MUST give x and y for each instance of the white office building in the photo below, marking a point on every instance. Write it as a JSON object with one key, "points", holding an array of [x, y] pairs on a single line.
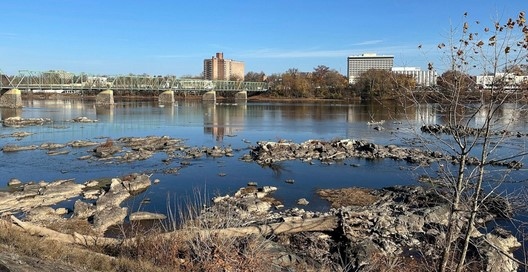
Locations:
{"points": [[362, 63], [423, 78], [507, 81]]}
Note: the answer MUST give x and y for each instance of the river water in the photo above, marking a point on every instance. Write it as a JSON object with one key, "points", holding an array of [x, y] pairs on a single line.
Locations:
{"points": [[239, 125]]}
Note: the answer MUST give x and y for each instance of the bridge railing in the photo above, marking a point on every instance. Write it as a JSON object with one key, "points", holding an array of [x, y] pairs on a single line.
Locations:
{"points": [[60, 80]]}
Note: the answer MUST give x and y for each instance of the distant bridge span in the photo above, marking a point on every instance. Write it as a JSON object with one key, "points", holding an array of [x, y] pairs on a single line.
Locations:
{"points": [[60, 81]]}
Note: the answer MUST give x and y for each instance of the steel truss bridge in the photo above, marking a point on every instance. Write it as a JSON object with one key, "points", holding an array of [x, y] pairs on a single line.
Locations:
{"points": [[65, 82]]}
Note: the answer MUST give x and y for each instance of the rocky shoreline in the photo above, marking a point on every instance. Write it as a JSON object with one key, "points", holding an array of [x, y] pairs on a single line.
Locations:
{"points": [[364, 224]]}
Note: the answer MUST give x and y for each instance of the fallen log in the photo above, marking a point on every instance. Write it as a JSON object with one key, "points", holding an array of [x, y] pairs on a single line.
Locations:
{"points": [[328, 223], [289, 226], [76, 238]]}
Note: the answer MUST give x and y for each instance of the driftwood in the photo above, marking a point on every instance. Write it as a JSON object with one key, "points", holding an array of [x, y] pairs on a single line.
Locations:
{"points": [[328, 223], [75, 238]]}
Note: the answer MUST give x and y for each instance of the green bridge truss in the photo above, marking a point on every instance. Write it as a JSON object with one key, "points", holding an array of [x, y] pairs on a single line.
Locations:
{"points": [[27, 80]]}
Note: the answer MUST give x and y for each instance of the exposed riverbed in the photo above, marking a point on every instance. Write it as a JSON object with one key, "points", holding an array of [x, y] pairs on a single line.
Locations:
{"points": [[223, 125]]}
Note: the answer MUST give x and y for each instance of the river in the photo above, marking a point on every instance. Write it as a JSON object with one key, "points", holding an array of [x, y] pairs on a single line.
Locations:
{"points": [[239, 125]]}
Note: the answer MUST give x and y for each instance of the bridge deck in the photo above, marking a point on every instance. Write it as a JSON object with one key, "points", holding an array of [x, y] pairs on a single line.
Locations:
{"points": [[68, 82]]}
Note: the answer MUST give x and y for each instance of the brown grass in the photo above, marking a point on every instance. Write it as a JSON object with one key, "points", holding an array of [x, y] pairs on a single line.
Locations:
{"points": [[348, 197], [15, 241]]}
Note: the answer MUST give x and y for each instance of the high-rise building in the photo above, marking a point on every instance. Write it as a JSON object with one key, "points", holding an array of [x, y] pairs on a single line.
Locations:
{"points": [[218, 68], [362, 63]]}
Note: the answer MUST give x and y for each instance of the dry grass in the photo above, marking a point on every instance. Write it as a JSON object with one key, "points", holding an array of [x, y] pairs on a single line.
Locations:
{"points": [[16, 241], [348, 197], [197, 250], [381, 262], [69, 226]]}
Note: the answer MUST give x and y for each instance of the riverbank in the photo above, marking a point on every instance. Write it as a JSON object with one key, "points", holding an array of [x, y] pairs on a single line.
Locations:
{"points": [[367, 229], [415, 97]]}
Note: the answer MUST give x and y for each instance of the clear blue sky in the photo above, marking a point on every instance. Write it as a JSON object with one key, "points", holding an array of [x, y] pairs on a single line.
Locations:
{"points": [[174, 37]]}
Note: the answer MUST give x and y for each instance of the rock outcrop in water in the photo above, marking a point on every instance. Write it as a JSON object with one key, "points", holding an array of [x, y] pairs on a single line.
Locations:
{"points": [[268, 153], [464, 131], [23, 122], [27, 196]]}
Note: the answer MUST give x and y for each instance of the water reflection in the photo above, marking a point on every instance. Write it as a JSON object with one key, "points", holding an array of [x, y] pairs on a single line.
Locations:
{"points": [[10, 112], [105, 113], [222, 120]]}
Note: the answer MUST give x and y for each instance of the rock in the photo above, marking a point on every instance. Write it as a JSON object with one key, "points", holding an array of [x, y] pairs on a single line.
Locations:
{"points": [[302, 201], [86, 157], [136, 216], [501, 260], [105, 151], [136, 183], [79, 143], [268, 153], [91, 194], [58, 152], [22, 122], [42, 215], [21, 134], [50, 146], [34, 195], [219, 199], [83, 119], [61, 211], [254, 205], [246, 158], [268, 189], [91, 183], [107, 208], [82, 209], [16, 148], [14, 182], [107, 217]]}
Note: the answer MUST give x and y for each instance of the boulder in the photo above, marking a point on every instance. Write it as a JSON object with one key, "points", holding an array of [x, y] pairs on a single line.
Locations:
{"points": [[136, 183], [18, 121], [14, 182], [16, 148], [303, 202], [136, 216], [83, 119]]}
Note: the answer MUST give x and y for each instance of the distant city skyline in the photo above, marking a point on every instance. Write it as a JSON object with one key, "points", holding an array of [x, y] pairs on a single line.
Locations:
{"points": [[169, 37]]}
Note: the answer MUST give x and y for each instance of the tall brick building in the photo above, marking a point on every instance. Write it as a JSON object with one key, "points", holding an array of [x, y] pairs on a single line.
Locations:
{"points": [[218, 68]]}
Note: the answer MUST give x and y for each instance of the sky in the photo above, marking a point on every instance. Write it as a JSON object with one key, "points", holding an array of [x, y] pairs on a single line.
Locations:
{"points": [[165, 37]]}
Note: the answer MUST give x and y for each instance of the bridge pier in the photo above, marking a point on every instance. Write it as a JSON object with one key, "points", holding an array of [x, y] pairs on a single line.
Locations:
{"points": [[209, 96], [166, 97], [105, 98], [241, 96], [11, 99]]}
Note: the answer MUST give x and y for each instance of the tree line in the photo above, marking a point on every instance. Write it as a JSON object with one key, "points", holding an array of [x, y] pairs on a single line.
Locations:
{"points": [[374, 84]]}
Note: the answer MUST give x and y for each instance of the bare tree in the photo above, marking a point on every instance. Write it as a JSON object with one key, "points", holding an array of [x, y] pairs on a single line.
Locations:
{"points": [[474, 126]]}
